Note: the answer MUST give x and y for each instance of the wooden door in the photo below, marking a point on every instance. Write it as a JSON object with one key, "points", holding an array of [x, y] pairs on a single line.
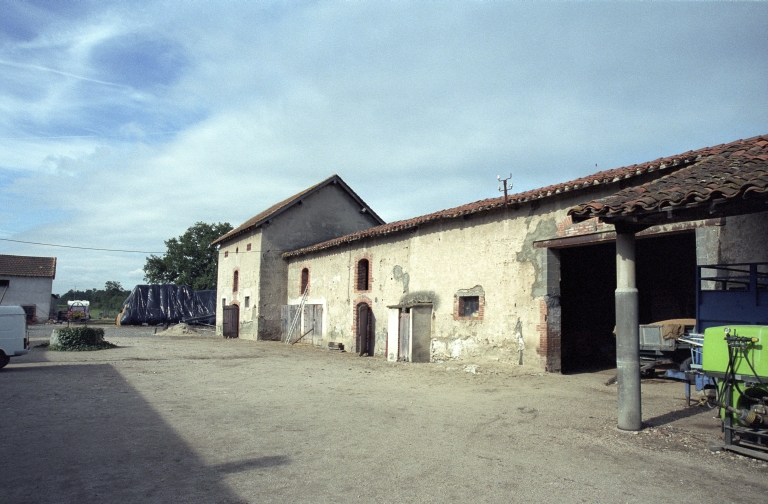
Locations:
{"points": [[421, 333], [287, 314], [404, 341], [364, 330], [231, 321], [313, 322]]}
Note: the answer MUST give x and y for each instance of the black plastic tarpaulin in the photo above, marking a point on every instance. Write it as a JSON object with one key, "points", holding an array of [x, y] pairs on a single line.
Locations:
{"points": [[168, 304]]}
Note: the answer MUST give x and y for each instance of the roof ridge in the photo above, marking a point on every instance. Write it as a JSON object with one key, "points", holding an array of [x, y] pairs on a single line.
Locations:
{"points": [[287, 203]]}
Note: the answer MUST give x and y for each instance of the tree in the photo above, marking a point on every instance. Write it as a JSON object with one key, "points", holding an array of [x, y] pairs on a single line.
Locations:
{"points": [[112, 286], [109, 300], [189, 260]]}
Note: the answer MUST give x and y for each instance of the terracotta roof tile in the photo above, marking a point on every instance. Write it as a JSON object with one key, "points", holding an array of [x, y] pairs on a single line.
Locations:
{"points": [[603, 177], [26, 266], [738, 171]]}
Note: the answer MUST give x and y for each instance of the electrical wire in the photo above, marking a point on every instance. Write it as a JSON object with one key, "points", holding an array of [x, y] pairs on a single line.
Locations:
{"points": [[81, 248]]}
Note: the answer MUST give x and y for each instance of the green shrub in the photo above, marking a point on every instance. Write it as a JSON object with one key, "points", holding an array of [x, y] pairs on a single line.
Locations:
{"points": [[81, 338]]}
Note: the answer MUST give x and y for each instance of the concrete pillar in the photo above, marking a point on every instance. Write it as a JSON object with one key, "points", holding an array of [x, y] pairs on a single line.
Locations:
{"points": [[627, 338]]}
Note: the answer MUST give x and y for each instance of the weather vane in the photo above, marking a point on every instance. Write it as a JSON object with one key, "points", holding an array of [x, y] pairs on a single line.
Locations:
{"points": [[506, 187]]}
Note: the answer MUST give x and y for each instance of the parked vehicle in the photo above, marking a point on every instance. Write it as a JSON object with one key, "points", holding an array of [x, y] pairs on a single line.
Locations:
{"points": [[14, 340], [80, 306]]}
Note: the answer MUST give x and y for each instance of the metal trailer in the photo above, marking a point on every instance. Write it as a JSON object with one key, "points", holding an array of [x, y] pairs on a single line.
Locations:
{"points": [[658, 352], [691, 373]]}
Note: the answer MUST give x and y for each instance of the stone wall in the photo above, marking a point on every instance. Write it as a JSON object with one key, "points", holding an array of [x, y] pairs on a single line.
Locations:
{"points": [[488, 259], [326, 213]]}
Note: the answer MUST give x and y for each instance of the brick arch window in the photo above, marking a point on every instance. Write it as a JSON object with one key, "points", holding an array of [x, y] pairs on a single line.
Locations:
{"points": [[235, 280], [304, 280], [362, 275]]}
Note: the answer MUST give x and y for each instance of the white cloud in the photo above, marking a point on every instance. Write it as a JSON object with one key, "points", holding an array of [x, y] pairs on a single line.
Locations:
{"points": [[417, 106]]}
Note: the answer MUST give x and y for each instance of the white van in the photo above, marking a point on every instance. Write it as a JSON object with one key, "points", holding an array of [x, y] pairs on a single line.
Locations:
{"points": [[14, 340]]}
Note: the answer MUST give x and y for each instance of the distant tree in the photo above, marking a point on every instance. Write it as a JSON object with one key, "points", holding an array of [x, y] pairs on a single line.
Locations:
{"points": [[189, 260], [113, 287], [108, 300]]}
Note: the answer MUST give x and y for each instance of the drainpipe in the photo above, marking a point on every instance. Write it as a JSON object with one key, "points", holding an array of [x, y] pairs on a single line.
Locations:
{"points": [[627, 338]]}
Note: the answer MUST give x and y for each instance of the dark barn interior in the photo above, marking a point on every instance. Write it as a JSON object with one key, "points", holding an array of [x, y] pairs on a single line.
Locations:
{"points": [[666, 281]]}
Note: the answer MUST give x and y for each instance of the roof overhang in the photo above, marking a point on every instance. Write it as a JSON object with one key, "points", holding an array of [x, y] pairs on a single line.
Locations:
{"points": [[728, 184]]}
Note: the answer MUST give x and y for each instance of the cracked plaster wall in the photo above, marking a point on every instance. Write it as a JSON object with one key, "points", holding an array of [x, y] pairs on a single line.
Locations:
{"points": [[433, 264]]}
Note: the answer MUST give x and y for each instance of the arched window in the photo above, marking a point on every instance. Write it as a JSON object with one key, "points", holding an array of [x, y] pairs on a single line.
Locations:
{"points": [[304, 280], [235, 281], [362, 275]]}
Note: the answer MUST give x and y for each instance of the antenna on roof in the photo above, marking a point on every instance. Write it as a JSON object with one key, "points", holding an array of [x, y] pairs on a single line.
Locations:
{"points": [[506, 187]]}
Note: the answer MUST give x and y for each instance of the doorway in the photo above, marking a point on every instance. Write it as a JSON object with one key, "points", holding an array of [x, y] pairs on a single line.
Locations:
{"points": [[29, 312], [404, 341], [313, 324], [231, 321], [364, 336], [666, 281], [421, 333]]}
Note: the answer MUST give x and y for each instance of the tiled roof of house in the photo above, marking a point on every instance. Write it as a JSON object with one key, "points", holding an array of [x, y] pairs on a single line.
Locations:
{"points": [[739, 170], [26, 266], [671, 163], [284, 205]]}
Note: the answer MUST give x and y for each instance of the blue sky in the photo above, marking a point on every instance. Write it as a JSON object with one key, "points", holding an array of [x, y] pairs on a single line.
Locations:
{"points": [[124, 123]]}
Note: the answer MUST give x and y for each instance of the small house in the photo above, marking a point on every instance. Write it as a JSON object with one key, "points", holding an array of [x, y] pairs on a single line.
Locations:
{"points": [[27, 281]]}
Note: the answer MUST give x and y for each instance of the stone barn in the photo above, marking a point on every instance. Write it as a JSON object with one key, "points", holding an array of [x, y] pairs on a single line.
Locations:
{"points": [[506, 279], [252, 276]]}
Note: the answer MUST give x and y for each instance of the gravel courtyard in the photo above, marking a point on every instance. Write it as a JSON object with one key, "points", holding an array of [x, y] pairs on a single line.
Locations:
{"points": [[194, 418]]}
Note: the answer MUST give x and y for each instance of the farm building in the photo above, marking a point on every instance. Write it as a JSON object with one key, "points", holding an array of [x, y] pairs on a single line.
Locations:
{"points": [[28, 282], [512, 279], [252, 274], [508, 279]]}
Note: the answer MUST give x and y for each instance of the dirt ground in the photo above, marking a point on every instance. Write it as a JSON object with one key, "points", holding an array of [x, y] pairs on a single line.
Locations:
{"points": [[173, 417]]}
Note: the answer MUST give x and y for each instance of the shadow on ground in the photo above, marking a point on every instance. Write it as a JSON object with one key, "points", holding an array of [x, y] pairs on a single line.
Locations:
{"points": [[674, 416], [81, 433]]}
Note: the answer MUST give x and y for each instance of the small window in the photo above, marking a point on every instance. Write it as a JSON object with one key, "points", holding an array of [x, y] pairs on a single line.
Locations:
{"points": [[223, 302], [5, 283], [226, 253], [237, 250], [304, 280], [235, 281], [469, 306], [248, 248], [247, 301], [362, 275]]}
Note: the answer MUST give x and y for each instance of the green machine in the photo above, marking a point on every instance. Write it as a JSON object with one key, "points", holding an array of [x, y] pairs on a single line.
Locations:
{"points": [[737, 358]]}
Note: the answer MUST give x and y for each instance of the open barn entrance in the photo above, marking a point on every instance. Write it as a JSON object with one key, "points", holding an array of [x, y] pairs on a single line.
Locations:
{"points": [[666, 281]]}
